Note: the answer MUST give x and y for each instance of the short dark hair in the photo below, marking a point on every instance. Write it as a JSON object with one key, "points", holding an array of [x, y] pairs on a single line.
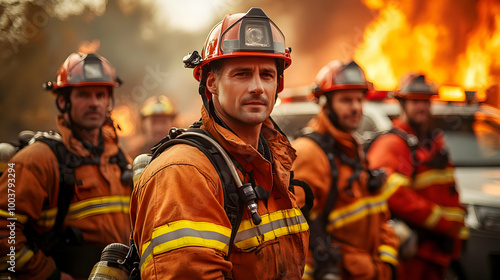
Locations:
{"points": [[216, 66]]}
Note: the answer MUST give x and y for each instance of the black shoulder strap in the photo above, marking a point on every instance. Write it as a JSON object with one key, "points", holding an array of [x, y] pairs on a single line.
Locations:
{"points": [[66, 179], [232, 206], [411, 141], [327, 143]]}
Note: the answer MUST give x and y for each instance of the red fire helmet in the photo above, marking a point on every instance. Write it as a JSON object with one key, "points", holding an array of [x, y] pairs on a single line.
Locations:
{"points": [[415, 86], [337, 76], [81, 69], [241, 35]]}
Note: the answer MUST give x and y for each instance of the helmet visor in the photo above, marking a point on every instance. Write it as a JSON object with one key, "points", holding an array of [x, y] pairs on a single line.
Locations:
{"points": [[351, 74], [253, 35], [91, 71]]}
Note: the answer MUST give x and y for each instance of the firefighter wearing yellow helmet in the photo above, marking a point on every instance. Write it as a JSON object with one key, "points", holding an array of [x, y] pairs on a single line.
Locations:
{"points": [[157, 117]]}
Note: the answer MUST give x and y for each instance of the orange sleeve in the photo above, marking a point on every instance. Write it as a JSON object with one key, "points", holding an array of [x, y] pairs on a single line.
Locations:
{"points": [[388, 251], [313, 167], [175, 206], [24, 187], [393, 154]]}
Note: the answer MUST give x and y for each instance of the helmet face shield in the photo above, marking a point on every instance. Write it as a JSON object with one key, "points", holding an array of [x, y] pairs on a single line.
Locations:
{"points": [[416, 86], [338, 76], [351, 74], [85, 69], [253, 35]]}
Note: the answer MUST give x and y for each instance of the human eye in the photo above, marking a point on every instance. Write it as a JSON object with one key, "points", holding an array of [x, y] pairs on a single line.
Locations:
{"points": [[101, 94]]}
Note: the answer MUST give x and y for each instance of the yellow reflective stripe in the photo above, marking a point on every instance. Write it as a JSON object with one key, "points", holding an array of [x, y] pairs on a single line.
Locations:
{"points": [[88, 207], [21, 258], [308, 272], [433, 218], [434, 177], [453, 213], [185, 233], [20, 218], [367, 205], [24, 258], [449, 213], [463, 233], [393, 182], [388, 254], [273, 225]]}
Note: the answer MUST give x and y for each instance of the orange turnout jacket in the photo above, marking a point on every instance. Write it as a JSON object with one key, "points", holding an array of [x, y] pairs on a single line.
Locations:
{"points": [[99, 208], [182, 230], [358, 221], [426, 197]]}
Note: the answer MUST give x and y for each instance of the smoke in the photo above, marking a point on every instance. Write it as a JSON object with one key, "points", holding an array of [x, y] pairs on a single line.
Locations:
{"points": [[21, 21]]}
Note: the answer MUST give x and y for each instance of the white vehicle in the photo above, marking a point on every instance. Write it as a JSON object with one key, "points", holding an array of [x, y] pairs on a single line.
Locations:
{"points": [[472, 133]]}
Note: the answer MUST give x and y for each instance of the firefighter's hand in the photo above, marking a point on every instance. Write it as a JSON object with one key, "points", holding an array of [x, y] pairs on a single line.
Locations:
{"points": [[66, 276]]}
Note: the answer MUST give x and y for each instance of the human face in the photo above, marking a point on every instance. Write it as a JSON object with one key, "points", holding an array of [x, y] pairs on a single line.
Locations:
{"points": [[348, 105], [157, 126], [417, 111], [244, 91], [89, 105]]}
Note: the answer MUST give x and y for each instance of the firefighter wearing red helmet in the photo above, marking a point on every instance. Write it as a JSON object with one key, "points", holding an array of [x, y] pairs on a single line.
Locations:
{"points": [[425, 197], [181, 226], [72, 187], [350, 236]]}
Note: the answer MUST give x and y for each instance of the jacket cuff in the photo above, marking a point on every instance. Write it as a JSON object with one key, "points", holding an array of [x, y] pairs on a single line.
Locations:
{"points": [[388, 255]]}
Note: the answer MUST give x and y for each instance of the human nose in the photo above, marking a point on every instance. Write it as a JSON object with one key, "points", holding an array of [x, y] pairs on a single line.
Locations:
{"points": [[256, 85], [357, 104], [94, 100]]}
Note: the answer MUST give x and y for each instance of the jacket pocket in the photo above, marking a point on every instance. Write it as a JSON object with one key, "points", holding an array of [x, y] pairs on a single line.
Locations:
{"points": [[358, 265]]}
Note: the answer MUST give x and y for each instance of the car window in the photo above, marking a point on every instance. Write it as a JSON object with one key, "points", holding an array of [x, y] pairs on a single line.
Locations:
{"points": [[472, 140]]}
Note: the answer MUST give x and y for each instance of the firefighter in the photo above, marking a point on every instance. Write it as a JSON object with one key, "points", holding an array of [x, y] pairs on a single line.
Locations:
{"points": [[178, 211], [72, 190], [416, 160], [157, 117], [350, 236]]}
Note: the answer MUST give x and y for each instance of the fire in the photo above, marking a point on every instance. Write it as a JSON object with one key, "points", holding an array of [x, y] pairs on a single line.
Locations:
{"points": [[123, 117], [89, 47], [449, 41]]}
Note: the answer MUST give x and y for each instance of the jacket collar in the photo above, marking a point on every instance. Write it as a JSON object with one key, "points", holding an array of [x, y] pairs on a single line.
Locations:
{"points": [[321, 123], [109, 138], [244, 153]]}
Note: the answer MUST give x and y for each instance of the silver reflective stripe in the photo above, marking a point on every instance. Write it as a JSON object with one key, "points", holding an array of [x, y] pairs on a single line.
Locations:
{"points": [[179, 234], [265, 228], [362, 208]]}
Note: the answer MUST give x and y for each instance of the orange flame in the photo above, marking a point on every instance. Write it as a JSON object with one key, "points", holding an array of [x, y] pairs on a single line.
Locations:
{"points": [[432, 37], [89, 47], [123, 117]]}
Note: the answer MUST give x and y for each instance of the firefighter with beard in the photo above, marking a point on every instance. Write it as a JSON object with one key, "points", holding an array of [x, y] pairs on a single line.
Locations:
{"points": [[415, 157], [350, 236], [180, 223], [72, 188]]}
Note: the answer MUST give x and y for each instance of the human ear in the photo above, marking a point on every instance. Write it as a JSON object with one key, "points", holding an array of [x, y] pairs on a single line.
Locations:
{"points": [[212, 83], [61, 102]]}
